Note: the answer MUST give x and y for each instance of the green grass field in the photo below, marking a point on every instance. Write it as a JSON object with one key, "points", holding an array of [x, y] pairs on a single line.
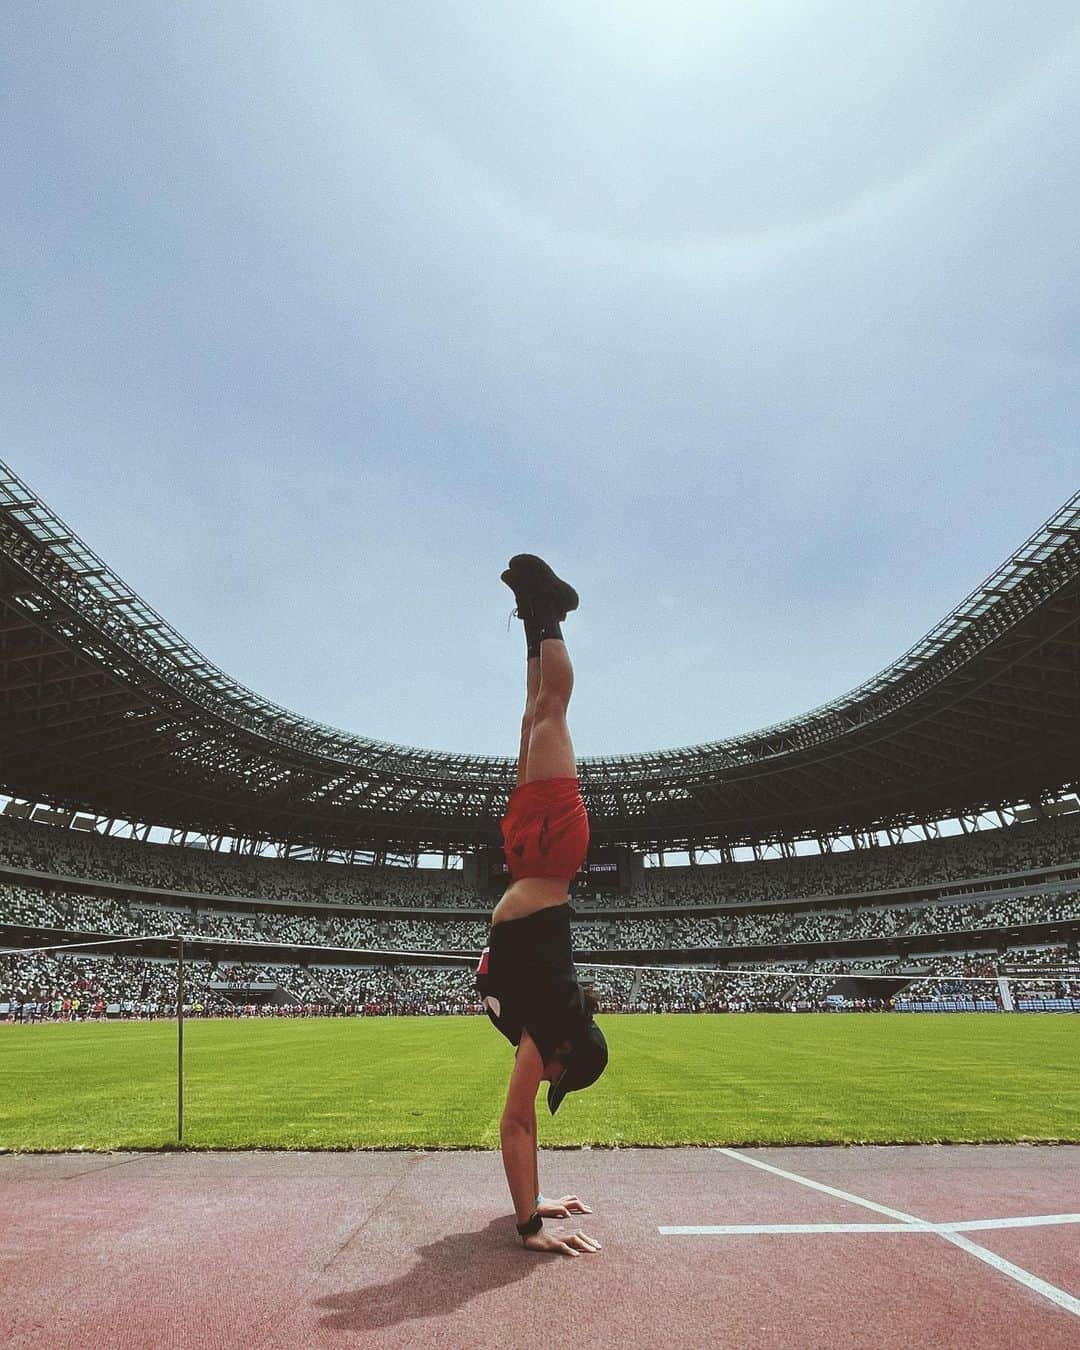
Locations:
{"points": [[440, 1081]]}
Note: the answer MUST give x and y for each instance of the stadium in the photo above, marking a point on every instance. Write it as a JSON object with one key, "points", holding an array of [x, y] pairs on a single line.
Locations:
{"points": [[175, 848], [363, 965], [289, 853]]}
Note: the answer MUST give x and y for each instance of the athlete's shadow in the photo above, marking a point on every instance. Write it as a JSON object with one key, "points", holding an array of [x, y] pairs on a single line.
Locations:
{"points": [[449, 1273]]}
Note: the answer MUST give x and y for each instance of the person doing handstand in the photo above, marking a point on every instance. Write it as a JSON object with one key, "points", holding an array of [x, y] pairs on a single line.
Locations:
{"points": [[526, 974]]}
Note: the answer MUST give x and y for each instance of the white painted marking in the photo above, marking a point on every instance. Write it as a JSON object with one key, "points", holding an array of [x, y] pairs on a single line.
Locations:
{"points": [[739, 1229], [1024, 1277], [963, 1226], [1034, 1221], [828, 1190], [1018, 1273]]}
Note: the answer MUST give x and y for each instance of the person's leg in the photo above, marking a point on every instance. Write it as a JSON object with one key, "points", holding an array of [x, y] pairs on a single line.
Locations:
{"points": [[532, 688], [550, 749], [545, 750]]}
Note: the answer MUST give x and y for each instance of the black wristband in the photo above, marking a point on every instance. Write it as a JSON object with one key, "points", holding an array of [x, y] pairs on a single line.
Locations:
{"points": [[530, 1226]]}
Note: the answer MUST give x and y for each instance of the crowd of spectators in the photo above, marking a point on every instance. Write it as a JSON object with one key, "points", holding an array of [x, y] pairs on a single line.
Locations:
{"points": [[194, 871], [76, 911], [51, 987], [958, 859], [200, 886], [81, 988], [758, 928], [796, 985]]}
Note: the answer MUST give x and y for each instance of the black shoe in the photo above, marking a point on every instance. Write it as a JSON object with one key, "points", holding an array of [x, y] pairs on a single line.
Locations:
{"points": [[533, 582]]}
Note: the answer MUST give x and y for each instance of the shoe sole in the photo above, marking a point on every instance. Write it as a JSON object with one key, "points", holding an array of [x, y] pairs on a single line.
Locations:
{"points": [[529, 575]]}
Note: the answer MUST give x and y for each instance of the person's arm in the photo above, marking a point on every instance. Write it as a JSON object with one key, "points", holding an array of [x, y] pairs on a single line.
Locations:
{"points": [[536, 1157], [517, 1129]]}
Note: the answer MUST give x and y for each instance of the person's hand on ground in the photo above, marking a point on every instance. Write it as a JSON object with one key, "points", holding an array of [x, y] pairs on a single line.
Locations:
{"points": [[569, 1244], [562, 1208]]}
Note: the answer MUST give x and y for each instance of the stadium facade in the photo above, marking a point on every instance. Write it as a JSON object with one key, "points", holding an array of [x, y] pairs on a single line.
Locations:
{"points": [[107, 710], [109, 715]]}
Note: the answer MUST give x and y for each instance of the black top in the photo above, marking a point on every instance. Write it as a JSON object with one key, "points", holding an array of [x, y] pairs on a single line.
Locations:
{"points": [[531, 975]]}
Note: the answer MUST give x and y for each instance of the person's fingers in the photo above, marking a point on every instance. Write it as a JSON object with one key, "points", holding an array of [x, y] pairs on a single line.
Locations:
{"points": [[584, 1242], [568, 1250]]}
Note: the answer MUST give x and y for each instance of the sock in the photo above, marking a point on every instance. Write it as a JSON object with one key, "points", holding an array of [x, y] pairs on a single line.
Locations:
{"points": [[549, 630], [545, 618], [541, 621], [532, 637]]}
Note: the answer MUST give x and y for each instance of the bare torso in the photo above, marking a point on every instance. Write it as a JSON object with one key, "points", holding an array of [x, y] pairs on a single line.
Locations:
{"points": [[527, 896]]}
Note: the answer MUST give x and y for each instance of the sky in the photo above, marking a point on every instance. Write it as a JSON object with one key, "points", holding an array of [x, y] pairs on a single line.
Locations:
{"points": [[760, 321]]}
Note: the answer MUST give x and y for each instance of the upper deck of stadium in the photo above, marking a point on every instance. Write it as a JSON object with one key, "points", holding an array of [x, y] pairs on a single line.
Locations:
{"points": [[105, 708]]}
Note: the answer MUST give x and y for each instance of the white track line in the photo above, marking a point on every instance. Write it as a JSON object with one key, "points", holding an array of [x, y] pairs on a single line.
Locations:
{"points": [[964, 1226], [1048, 1291], [1018, 1273], [1034, 1221], [921, 1224], [750, 1229]]}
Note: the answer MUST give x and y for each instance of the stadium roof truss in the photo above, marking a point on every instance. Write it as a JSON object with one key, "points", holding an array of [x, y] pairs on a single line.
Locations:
{"points": [[104, 707]]}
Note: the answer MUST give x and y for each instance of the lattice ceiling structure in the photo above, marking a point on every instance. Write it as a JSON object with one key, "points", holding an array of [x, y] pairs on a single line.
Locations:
{"points": [[105, 708]]}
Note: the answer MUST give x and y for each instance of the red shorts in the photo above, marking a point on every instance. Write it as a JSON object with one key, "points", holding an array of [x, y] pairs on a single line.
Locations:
{"points": [[546, 830]]}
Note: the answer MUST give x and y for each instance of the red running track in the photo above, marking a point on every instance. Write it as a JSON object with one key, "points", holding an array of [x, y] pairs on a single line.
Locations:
{"points": [[418, 1249]]}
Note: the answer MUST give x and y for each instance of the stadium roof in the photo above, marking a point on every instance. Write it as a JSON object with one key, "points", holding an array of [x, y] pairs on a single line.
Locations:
{"points": [[105, 708]]}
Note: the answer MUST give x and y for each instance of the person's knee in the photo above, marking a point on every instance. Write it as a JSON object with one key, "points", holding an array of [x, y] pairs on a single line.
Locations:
{"points": [[550, 702]]}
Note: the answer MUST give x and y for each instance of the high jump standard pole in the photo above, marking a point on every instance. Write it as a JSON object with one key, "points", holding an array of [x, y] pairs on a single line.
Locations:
{"points": [[179, 1038]]}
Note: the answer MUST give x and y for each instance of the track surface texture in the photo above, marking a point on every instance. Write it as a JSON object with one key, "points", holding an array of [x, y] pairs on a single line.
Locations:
{"points": [[418, 1249]]}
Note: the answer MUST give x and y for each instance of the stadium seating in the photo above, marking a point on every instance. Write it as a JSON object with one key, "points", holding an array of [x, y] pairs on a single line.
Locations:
{"points": [[327, 924]]}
